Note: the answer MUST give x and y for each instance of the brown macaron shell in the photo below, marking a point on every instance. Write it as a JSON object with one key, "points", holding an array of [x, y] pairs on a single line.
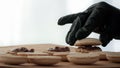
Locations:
{"points": [[32, 54], [12, 59], [113, 56], [88, 41], [83, 58], [44, 60]]}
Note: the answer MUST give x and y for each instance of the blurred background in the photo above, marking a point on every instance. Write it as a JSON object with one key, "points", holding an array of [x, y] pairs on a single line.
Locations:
{"points": [[35, 21]]}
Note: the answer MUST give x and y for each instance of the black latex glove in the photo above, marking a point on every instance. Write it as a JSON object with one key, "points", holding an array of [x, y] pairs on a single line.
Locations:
{"points": [[97, 18]]}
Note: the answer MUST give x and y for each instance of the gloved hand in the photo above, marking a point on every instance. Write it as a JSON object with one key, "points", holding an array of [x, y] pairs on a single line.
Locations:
{"points": [[100, 17]]}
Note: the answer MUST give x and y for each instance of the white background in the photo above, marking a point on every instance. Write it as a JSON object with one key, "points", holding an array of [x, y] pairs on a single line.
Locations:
{"points": [[35, 21]]}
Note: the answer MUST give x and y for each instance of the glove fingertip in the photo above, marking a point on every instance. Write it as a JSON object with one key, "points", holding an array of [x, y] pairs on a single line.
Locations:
{"points": [[104, 44], [105, 39], [60, 21], [70, 40]]}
